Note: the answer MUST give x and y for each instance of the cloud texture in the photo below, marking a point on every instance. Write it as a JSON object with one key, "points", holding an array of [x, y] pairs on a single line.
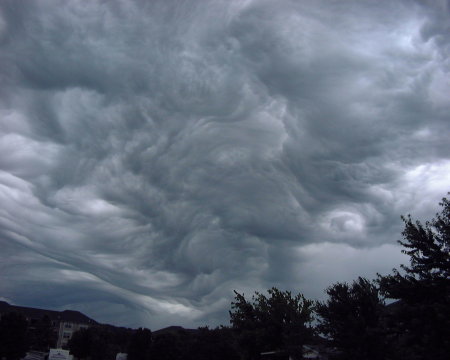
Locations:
{"points": [[157, 155]]}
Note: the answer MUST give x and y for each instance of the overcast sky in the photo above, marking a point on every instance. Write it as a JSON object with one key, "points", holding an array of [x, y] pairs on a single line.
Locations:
{"points": [[156, 155]]}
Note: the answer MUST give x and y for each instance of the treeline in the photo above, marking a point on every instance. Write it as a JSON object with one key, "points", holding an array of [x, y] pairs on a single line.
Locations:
{"points": [[403, 315], [101, 343]]}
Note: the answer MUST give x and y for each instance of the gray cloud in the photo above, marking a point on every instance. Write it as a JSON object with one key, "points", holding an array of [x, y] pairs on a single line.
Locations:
{"points": [[158, 155]]}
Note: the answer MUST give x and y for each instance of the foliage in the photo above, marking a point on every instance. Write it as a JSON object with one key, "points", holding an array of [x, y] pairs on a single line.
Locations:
{"points": [[140, 345], [80, 344], [13, 336], [39, 334], [99, 342], [103, 342], [422, 315], [279, 321], [212, 344], [168, 347], [42, 336], [351, 319]]}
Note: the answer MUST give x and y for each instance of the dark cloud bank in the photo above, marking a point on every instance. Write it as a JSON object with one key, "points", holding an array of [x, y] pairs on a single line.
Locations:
{"points": [[157, 155]]}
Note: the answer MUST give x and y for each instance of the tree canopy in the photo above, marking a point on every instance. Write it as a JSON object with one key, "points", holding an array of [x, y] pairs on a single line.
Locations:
{"points": [[279, 321], [351, 319], [99, 342], [423, 288]]}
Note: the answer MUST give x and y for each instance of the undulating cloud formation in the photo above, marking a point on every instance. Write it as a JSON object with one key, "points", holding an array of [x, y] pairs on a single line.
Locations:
{"points": [[156, 155]]}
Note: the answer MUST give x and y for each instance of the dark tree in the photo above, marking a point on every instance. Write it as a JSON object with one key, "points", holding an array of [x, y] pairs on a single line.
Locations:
{"points": [[169, 346], [13, 336], [99, 342], [211, 344], [140, 345], [279, 321], [422, 314], [81, 343], [352, 319], [43, 336]]}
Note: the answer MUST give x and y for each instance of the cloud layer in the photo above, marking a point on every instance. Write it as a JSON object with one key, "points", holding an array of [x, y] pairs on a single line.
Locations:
{"points": [[158, 155]]}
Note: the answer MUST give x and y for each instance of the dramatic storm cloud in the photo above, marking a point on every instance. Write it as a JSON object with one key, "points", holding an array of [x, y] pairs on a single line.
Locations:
{"points": [[156, 155]]}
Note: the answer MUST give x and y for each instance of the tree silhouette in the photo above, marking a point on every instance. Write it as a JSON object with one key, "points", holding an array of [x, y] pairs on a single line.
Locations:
{"points": [[351, 319], [279, 321], [422, 314], [43, 337]]}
